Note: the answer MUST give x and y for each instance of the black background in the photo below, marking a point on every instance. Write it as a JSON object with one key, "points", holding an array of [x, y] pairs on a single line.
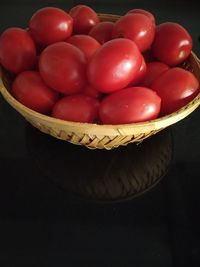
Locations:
{"points": [[41, 225]]}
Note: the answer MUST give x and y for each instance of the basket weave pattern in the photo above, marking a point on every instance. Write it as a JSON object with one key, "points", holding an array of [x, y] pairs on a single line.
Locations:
{"points": [[102, 136]]}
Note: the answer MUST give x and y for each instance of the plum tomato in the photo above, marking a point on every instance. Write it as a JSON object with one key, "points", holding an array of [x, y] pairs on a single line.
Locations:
{"points": [[176, 88], [84, 19], [17, 50], [30, 90], [102, 32], [77, 108], [144, 12], [87, 44], [141, 73], [133, 104], [114, 65], [63, 68], [153, 71], [172, 43], [50, 25], [136, 27]]}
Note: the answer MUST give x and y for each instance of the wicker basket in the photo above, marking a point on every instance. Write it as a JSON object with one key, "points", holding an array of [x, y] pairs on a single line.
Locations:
{"points": [[102, 136]]}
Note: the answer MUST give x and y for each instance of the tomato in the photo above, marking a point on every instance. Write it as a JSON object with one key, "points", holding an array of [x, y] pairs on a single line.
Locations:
{"points": [[84, 19], [87, 44], [114, 65], [172, 44], [91, 91], [176, 87], [17, 50], [154, 70], [133, 104], [136, 27], [63, 67], [78, 108], [144, 12], [49, 25], [30, 90], [102, 32], [141, 73]]}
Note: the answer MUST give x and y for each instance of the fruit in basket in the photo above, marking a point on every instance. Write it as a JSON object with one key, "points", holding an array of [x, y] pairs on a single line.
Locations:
{"points": [[141, 73], [79, 108], [87, 44], [133, 104], [136, 27], [176, 88], [79, 67], [144, 12], [17, 50], [30, 90], [102, 32], [153, 71], [172, 43], [50, 25], [62, 67], [114, 65], [84, 18]]}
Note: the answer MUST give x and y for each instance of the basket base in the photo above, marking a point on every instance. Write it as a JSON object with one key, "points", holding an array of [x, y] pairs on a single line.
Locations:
{"points": [[101, 175]]}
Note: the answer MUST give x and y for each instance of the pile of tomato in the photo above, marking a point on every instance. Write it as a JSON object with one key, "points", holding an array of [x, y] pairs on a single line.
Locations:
{"points": [[74, 67]]}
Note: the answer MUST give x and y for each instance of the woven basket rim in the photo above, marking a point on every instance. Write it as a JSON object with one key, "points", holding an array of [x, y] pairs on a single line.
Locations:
{"points": [[43, 117]]}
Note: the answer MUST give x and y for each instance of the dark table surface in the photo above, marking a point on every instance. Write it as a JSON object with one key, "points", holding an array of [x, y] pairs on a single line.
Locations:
{"points": [[43, 225]]}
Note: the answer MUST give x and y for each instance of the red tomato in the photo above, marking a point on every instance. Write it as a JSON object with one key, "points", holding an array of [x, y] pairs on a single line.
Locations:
{"points": [[133, 104], [114, 65], [141, 74], [172, 44], [87, 44], [84, 19], [136, 27], [50, 25], [63, 67], [144, 12], [154, 70], [30, 90], [102, 32], [91, 91], [78, 108], [17, 50], [176, 87]]}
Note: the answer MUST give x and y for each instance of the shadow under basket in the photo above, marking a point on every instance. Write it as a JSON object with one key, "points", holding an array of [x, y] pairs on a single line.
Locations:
{"points": [[101, 136]]}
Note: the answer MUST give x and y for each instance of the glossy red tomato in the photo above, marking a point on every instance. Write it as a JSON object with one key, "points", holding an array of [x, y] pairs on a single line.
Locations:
{"points": [[133, 104], [172, 44], [49, 25], [87, 44], [78, 108], [144, 12], [176, 87], [84, 19], [136, 27], [102, 32], [91, 91], [30, 90], [63, 67], [17, 50], [154, 70], [141, 74], [114, 65]]}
